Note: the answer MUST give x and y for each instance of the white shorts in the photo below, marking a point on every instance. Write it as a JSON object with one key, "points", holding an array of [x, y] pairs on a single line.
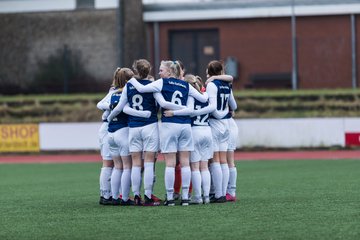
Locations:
{"points": [[175, 137], [234, 134], [144, 138], [220, 133], [104, 143], [119, 142], [203, 144]]}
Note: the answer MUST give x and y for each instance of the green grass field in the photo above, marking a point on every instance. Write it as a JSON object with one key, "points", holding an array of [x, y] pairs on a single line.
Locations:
{"points": [[278, 200]]}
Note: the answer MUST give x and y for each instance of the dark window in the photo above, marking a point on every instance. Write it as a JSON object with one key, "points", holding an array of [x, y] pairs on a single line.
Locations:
{"points": [[85, 4]]}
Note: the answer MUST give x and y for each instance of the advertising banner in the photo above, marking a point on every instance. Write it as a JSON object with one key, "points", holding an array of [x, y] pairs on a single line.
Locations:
{"points": [[19, 138], [352, 139]]}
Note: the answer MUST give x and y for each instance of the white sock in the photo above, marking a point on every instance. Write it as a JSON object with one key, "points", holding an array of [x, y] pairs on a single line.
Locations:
{"points": [[185, 181], [196, 184], [125, 184], [169, 182], [136, 180], [225, 175], [205, 182], [217, 178], [116, 182], [148, 178], [212, 188], [232, 181], [105, 185]]}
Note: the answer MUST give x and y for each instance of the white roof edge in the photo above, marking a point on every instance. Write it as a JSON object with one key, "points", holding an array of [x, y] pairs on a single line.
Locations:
{"points": [[258, 12], [21, 6], [36, 6]]}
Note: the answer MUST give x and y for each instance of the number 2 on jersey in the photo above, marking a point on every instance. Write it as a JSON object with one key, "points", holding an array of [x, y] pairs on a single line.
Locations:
{"points": [[201, 120]]}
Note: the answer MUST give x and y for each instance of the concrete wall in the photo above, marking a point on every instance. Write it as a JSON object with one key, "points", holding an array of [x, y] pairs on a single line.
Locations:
{"points": [[27, 38]]}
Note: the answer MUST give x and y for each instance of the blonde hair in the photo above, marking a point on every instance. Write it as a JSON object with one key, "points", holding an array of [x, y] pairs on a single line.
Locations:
{"points": [[173, 66], [121, 76], [195, 81]]}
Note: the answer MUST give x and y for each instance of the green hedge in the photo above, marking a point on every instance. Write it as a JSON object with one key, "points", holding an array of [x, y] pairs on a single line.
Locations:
{"points": [[287, 104]]}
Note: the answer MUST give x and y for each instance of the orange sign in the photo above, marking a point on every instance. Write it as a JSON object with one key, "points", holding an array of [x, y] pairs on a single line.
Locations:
{"points": [[19, 138]]}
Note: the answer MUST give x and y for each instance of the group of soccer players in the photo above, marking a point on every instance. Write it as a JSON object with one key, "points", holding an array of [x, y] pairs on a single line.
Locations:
{"points": [[194, 133]]}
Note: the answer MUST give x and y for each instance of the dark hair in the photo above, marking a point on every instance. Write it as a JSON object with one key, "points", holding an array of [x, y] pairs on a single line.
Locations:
{"points": [[121, 76], [215, 68], [142, 68], [181, 65]]}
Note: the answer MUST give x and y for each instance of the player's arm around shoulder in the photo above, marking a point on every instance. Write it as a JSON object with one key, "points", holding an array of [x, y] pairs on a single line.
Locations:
{"points": [[122, 102], [198, 96], [155, 86]]}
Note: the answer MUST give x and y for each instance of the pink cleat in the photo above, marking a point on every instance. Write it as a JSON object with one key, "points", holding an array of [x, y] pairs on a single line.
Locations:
{"points": [[230, 198], [155, 198]]}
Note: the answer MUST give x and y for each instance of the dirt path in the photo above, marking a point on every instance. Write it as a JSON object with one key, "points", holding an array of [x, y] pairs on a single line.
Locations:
{"points": [[239, 155]]}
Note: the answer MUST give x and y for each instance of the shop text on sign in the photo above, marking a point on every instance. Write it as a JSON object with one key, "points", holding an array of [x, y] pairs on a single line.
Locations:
{"points": [[19, 138]]}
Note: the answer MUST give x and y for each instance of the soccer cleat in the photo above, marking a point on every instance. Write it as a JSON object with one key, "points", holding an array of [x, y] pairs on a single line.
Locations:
{"points": [[105, 201], [196, 201], [221, 199], [169, 203], [129, 202], [176, 196], [185, 202], [115, 202], [137, 201], [230, 198], [155, 198], [120, 196], [150, 202]]}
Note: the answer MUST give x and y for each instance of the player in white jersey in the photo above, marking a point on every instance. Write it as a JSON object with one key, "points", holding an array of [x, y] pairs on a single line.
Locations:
{"points": [[119, 145], [175, 132], [203, 145], [143, 132], [107, 163], [177, 181], [232, 143], [219, 93], [118, 128], [231, 189]]}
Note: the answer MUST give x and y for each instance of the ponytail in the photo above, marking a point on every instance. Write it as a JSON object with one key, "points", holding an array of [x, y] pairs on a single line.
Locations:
{"points": [[174, 67], [195, 81]]}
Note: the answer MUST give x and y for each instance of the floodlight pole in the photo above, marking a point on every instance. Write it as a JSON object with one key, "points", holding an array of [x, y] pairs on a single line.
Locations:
{"points": [[294, 78], [156, 46], [353, 52], [120, 31]]}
